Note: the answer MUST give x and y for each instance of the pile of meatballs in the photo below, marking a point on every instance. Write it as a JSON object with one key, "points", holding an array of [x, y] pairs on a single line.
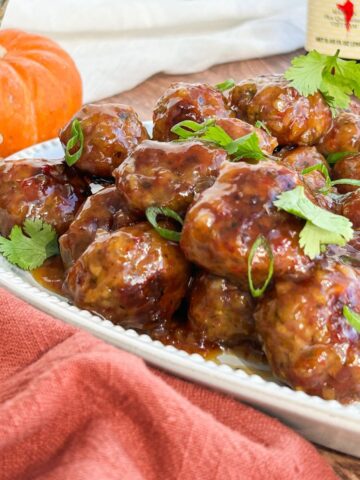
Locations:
{"points": [[119, 267]]}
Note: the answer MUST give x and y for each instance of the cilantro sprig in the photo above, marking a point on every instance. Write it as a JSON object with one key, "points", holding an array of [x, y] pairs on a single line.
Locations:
{"points": [[335, 78], [322, 227], [30, 246], [243, 147]]}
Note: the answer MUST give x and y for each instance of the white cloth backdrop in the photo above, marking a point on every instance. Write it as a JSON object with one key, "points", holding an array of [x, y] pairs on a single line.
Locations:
{"points": [[119, 43]]}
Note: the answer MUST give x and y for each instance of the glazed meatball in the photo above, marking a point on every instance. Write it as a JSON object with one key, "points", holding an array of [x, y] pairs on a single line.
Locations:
{"points": [[132, 277], [350, 208], [111, 132], [237, 128], [307, 340], [37, 188], [168, 174], [105, 210], [219, 311], [347, 167], [222, 226], [344, 135], [186, 101], [292, 118], [300, 158]]}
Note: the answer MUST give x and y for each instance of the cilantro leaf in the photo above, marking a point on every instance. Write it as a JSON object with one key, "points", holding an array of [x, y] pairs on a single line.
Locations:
{"points": [[306, 71], [246, 146], [332, 228], [29, 247], [352, 317], [313, 239], [335, 78]]}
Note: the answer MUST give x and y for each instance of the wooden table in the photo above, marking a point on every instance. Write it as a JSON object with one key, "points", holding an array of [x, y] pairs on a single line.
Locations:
{"points": [[143, 98]]}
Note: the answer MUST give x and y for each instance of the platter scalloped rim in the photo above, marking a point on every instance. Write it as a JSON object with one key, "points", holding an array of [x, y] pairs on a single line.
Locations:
{"points": [[325, 422]]}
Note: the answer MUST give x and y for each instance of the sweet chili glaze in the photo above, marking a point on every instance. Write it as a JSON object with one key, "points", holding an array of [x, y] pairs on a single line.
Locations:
{"points": [[187, 101], [177, 332], [147, 272], [40, 188], [111, 132], [292, 118], [51, 275]]}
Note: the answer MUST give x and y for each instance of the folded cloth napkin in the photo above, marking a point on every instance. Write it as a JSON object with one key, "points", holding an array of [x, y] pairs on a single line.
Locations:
{"points": [[118, 44], [73, 407]]}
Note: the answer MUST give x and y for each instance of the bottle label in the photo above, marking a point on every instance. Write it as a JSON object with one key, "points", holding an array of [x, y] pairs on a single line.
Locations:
{"points": [[334, 25]]}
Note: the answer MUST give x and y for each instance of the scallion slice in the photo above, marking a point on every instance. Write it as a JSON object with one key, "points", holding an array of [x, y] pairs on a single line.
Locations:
{"points": [[346, 181], [335, 157], [226, 85], [152, 214], [260, 124], [260, 242], [352, 317], [77, 138], [320, 167]]}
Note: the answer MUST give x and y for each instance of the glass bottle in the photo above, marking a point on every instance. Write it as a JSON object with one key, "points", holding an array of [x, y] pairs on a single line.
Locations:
{"points": [[334, 25]]}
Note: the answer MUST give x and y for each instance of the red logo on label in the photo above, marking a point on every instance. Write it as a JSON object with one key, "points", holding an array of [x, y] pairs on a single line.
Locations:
{"points": [[348, 11]]}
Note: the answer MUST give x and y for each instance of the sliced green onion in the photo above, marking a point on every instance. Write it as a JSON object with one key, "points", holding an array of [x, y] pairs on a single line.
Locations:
{"points": [[320, 167], [352, 317], [226, 85], [347, 181], [152, 214], [260, 242], [260, 124], [77, 138], [335, 157]]}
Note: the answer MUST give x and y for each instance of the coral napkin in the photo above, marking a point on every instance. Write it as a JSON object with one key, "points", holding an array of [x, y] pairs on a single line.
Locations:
{"points": [[72, 407]]}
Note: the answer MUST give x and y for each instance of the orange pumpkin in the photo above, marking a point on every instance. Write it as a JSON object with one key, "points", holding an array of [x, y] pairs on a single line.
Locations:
{"points": [[40, 89]]}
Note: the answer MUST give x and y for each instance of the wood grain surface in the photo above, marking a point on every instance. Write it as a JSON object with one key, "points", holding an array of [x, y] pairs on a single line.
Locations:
{"points": [[143, 98]]}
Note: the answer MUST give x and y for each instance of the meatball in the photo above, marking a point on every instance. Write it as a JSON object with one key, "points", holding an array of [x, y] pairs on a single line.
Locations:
{"points": [[111, 132], [347, 167], [168, 174], [292, 118], [37, 188], [344, 135], [222, 226], [350, 208], [186, 101], [307, 340], [219, 311], [300, 158], [132, 277], [237, 128], [105, 210]]}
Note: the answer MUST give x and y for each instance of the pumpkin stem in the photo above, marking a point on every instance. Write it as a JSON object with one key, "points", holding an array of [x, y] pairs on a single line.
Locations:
{"points": [[3, 51]]}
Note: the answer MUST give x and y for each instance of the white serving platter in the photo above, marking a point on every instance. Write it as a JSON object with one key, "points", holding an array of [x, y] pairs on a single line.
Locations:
{"points": [[327, 423]]}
